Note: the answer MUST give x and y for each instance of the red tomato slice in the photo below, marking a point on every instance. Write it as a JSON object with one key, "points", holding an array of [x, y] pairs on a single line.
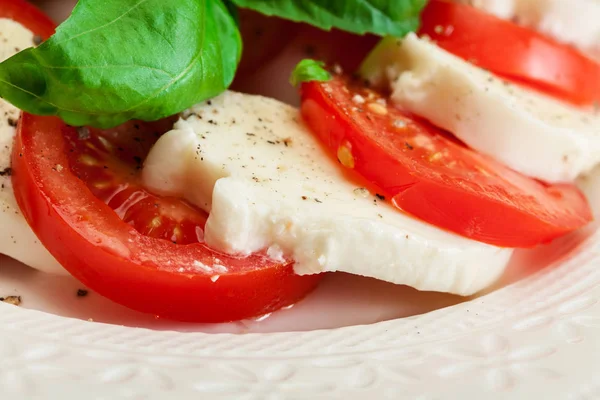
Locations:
{"points": [[27, 15], [79, 191], [514, 52], [432, 176]]}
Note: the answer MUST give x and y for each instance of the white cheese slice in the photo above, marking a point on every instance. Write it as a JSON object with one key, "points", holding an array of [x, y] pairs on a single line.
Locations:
{"points": [[574, 22], [268, 184], [590, 185], [16, 238], [534, 134]]}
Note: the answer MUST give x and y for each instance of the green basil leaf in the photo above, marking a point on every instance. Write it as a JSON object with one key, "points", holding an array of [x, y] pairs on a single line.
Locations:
{"points": [[117, 60], [309, 70], [381, 17]]}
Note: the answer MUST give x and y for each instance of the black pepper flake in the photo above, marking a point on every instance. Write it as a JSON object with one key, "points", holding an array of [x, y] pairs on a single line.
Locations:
{"points": [[37, 40], [12, 122], [14, 300], [6, 171], [250, 134], [258, 32], [380, 196], [318, 201], [82, 292], [138, 161], [408, 146], [209, 102], [212, 122], [310, 50], [271, 142]]}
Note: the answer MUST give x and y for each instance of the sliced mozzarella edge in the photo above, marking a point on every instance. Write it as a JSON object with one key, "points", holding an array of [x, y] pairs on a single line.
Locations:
{"points": [[590, 185], [17, 240], [532, 133], [361, 247]]}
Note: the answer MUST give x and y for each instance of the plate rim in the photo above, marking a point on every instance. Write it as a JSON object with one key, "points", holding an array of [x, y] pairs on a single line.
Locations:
{"points": [[553, 300]]}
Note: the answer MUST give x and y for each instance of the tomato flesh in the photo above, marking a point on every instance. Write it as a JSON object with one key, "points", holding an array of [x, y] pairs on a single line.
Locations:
{"points": [[513, 52], [109, 162], [79, 191], [429, 174]]}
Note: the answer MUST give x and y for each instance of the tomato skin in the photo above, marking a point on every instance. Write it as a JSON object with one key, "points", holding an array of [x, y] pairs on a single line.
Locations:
{"points": [[27, 15], [137, 271], [513, 52], [431, 176]]}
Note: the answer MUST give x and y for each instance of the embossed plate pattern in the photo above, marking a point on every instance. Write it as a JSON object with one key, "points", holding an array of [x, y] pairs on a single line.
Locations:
{"points": [[538, 337]]}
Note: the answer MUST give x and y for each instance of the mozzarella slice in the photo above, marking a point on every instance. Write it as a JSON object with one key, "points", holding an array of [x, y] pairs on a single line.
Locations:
{"points": [[268, 184], [532, 133], [16, 238], [590, 186], [574, 22]]}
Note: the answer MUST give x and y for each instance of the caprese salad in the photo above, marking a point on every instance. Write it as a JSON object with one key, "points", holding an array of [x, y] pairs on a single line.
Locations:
{"points": [[135, 167]]}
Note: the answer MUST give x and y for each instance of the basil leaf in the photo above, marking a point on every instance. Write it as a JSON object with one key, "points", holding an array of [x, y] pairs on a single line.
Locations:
{"points": [[309, 70], [381, 17], [117, 60]]}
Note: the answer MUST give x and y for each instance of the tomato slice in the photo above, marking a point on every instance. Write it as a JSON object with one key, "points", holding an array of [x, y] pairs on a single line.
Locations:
{"points": [[430, 175], [27, 15], [513, 52], [80, 192]]}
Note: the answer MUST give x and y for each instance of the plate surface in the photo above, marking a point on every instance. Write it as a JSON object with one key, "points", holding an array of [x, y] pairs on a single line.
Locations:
{"points": [[537, 337]]}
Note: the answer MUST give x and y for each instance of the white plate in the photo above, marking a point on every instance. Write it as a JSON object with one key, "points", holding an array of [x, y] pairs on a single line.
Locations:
{"points": [[537, 337]]}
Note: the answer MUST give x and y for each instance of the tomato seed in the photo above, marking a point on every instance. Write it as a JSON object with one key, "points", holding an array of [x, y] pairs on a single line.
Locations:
{"points": [[345, 157], [377, 108], [88, 160]]}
